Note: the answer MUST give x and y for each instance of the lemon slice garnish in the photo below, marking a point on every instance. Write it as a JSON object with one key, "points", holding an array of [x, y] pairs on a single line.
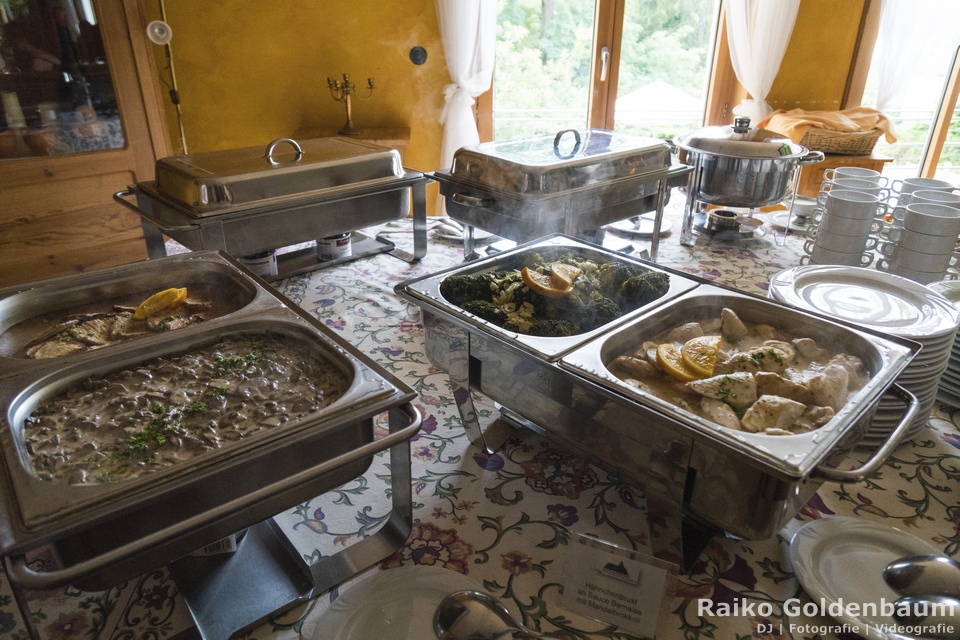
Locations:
{"points": [[543, 284], [670, 360], [562, 275], [160, 301], [700, 355]]}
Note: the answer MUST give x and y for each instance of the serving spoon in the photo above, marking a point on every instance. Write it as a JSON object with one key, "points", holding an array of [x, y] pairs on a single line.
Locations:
{"points": [[475, 615], [938, 616], [924, 575]]}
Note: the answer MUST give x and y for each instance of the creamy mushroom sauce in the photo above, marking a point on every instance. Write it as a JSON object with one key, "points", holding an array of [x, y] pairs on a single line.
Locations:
{"points": [[764, 381], [168, 410]]}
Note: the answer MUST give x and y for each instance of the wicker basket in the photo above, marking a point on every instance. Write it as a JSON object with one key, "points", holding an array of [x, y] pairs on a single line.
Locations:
{"points": [[858, 143]]}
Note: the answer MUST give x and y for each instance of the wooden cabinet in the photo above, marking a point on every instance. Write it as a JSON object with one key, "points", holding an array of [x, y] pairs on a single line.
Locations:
{"points": [[812, 175]]}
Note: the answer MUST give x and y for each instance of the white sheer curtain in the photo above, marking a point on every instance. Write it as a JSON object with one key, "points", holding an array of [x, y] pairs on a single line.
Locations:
{"points": [[758, 32], [468, 30], [908, 33]]}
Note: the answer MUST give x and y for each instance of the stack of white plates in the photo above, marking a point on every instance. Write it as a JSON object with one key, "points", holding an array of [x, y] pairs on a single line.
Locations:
{"points": [[949, 392], [889, 304]]}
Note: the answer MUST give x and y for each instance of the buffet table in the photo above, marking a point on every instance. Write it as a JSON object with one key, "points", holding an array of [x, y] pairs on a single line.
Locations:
{"points": [[508, 522]]}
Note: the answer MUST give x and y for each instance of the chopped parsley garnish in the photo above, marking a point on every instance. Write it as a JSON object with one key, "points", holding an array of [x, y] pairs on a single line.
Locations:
{"points": [[223, 366]]}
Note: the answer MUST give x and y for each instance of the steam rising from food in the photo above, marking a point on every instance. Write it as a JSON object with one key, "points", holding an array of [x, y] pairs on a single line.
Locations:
{"points": [[555, 294], [745, 377]]}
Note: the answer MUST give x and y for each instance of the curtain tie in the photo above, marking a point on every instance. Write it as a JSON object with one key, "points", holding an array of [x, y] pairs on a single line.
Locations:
{"points": [[455, 96]]}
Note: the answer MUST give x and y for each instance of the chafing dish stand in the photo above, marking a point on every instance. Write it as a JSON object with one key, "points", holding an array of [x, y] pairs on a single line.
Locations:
{"points": [[229, 594], [247, 201]]}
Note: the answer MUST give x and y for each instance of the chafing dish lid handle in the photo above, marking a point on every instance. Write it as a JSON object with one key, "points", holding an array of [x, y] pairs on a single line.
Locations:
{"points": [[576, 145], [878, 458], [268, 154]]}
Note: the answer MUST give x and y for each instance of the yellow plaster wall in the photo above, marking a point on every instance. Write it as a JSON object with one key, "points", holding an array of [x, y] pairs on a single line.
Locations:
{"points": [[250, 71], [815, 65]]}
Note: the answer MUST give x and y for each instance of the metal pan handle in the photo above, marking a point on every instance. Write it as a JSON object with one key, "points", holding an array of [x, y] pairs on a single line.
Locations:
{"points": [[812, 157], [472, 201], [121, 197], [29, 579], [878, 458], [268, 154]]}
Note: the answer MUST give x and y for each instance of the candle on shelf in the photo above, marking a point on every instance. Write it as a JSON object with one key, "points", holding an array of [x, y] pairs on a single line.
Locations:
{"points": [[11, 105]]}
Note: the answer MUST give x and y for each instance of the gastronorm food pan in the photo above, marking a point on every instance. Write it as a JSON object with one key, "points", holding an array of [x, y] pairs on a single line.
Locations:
{"points": [[426, 291], [750, 484], [34, 312], [109, 532], [743, 484]]}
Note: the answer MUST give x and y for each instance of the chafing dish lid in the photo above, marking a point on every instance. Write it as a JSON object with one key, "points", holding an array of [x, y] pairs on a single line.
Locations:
{"points": [[543, 165], [220, 180], [740, 140]]}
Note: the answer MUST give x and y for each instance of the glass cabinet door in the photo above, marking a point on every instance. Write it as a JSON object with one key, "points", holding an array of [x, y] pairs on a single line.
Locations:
{"points": [[57, 94]]}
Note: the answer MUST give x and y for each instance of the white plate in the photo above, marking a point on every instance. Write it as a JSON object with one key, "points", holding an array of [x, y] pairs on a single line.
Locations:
{"points": [[869, 298], [396, 604], [479, 235], [843, 559], [642, 230], [779, 219]]}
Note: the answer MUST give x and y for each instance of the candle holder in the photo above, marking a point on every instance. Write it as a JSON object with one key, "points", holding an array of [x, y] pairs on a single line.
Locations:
{"points": [[343, 92]]}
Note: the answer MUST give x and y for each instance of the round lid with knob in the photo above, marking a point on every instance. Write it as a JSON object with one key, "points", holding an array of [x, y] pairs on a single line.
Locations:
{"points": [[740, 140]]}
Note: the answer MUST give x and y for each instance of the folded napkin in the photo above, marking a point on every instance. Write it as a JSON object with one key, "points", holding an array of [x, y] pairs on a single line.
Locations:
{"points": [[795, 123]]}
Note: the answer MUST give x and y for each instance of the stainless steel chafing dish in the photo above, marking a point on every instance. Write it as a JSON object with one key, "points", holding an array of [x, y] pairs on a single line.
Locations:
{"points": [[105, 533], [533, 187], [698, 477], [246, 201]]}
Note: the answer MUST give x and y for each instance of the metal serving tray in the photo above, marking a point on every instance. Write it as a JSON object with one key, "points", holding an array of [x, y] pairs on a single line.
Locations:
{"points": [[547, 165], [697, 480], [104, 534], [209, 183], [33, 310], [425, 291], [533, 187], [247, 201]]}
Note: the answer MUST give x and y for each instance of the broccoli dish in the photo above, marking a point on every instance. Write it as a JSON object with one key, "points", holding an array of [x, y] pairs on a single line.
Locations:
{"points": [[563, 296]]}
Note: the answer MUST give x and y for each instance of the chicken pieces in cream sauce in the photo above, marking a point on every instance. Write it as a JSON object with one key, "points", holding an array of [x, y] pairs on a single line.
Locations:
{"points": [[745, 377]]}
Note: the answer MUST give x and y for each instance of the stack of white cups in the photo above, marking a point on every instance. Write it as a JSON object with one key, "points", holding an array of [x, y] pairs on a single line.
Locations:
{"points": [[922, 238], [850, 211]]}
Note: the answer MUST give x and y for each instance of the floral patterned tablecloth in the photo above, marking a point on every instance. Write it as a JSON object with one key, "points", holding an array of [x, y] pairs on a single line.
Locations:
{"points": [[509, 520]]}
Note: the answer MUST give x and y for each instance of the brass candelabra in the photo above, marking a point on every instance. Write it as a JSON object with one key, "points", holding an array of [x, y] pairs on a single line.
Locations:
{"points": [[343, 92]]}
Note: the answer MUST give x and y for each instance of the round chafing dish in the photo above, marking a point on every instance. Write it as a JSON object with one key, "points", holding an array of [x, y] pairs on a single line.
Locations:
{"points": [[742, 166]]}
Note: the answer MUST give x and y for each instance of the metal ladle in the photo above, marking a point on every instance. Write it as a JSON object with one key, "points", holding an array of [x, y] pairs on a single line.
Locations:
{"points": [[475, 615], [924, 575]]}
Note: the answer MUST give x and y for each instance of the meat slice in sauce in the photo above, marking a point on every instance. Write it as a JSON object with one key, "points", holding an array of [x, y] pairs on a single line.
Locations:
{"points": [[772, 412], [738, 389]]}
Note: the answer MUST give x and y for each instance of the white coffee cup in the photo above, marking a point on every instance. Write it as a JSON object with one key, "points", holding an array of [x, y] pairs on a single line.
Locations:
{"points": [[925, 242], [916, 260], [930, 218], [949, 198], [923, 277], [856, 184], [838, 242], [862, 173], [847, 226], [907, 186], [819, 255], [851, 204]]}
